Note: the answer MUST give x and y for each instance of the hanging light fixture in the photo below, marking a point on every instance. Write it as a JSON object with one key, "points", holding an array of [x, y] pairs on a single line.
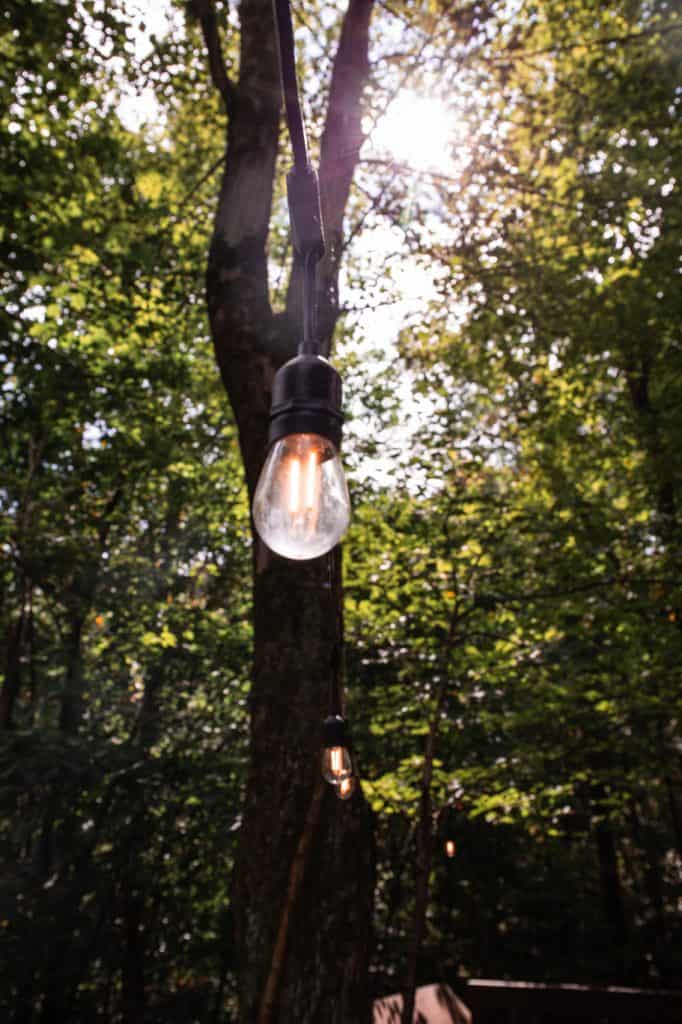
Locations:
{"points": [[337, 764], [301, 506]]}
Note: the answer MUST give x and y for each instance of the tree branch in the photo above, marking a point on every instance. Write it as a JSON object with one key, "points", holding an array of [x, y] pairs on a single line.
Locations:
{"points": [[204, 12], [340, 146], [296, 872], [581, 44], [342, 136]]}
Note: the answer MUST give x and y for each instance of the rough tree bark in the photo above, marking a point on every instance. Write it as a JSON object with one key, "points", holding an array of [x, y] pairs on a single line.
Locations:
{"points": [[304, 878]]}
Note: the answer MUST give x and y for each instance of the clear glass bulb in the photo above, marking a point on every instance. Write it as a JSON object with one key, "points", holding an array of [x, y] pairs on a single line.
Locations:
{"points": [[301, 506], [336, 765]]}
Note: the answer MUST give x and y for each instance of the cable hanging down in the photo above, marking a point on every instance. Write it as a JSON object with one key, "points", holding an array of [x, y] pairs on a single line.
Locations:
{"points": [[303, 192], [301, 506], [287, 68]]}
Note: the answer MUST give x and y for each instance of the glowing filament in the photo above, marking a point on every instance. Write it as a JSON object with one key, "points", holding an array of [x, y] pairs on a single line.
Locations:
{"points": [[294, 485], [345, 788], [311, 480], [301, 506], [303, 487]]}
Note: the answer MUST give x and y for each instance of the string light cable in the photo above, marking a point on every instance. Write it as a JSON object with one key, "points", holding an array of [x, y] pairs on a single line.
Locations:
{"points": [[301, 507], [337, 760]]}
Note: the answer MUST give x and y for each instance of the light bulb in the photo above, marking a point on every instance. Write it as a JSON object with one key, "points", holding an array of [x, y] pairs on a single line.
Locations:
{"points": [[345, 788], [337, 766], [450, 848], [301, 506]]}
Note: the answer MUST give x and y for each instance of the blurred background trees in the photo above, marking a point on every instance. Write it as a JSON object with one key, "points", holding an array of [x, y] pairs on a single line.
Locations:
{"points": [[510, 342]]}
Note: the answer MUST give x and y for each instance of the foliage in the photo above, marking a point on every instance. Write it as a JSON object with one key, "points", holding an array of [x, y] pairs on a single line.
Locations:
{"points": [[512, 579], [124, 543], [550, 534]]}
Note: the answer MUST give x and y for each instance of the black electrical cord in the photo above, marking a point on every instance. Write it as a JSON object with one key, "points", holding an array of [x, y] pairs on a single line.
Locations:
{"points": [[310, 343], [287, 64], [303, 191], [303, 194], [336, 675]]}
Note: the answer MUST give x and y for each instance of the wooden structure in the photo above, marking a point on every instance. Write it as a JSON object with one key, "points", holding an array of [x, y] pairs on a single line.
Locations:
{"points": [[521, 1002], [433, 1004]]}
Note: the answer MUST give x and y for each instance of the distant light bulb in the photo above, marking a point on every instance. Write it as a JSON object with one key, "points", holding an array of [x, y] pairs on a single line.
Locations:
{"points": [[450, 848], [345, 788], [337, 766], [301, 506]]}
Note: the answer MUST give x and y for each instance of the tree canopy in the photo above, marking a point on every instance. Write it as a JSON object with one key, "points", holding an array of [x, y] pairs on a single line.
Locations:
{"points": [[505, 310]]}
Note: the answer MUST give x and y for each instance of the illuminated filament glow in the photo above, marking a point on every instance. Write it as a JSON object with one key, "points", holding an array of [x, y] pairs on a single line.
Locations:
{"points": [[345, 788], [304, 488], [301, 506], [294, 485], [336, 765]]}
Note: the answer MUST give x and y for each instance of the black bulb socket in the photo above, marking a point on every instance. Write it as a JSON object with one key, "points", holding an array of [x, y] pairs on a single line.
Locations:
{"points": [[334, 732], [306, 399]]}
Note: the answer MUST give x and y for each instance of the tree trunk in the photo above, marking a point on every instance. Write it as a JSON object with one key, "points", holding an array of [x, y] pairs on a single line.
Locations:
{"points": [[423, 860], [12, 681], [72, 697], [425, 829], [651, 857], [675, 816], [132, 974], [304, 871], [421, 898], [81, 595], [612, 894], [328, 924]]}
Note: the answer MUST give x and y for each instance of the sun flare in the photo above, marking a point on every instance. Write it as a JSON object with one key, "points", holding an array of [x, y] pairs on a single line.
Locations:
{"points": [[418, 131]]}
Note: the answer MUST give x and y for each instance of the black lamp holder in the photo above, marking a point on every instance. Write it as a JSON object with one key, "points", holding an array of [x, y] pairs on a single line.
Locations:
{"points": [[306, 399], [306, 392], [334, 732]]}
